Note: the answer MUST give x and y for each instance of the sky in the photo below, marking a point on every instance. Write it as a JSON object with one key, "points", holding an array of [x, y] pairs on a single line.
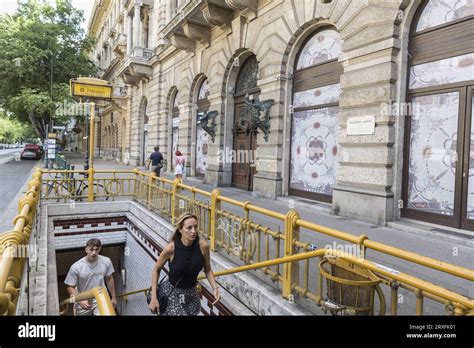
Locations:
{"points": [[9, 6]]}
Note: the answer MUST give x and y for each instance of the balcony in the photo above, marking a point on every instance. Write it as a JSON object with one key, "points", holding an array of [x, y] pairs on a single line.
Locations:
{"points": [[142, 53], [193, 20], [137, 66]]}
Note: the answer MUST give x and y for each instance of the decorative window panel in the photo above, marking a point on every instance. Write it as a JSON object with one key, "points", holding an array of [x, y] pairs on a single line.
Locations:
{"points": [[202, 143], [433, 153], [470, 192], [204, 90], [317, 96], [314, 150], [322, 47], [440, 72], [176, 101], [439, 12]]}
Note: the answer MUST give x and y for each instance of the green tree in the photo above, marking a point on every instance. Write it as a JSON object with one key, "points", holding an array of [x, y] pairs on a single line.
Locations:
{"points": [[12, 131], [41, 44]]}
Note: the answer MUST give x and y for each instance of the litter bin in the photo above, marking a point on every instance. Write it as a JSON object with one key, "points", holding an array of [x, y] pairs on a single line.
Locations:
{"points": [[350, 288]]}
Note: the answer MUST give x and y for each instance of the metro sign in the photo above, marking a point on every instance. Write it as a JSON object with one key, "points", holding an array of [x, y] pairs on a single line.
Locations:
{"points": [[90, 87]]}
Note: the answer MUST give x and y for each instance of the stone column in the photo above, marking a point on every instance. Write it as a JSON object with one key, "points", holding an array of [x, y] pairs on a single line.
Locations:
{"points": [[268, 179], [365, 176], [169, 9], [129, 33], [136, 26]]}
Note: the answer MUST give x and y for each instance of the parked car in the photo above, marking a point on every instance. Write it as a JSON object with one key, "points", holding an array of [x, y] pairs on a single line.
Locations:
{"points": [[31, 151]]}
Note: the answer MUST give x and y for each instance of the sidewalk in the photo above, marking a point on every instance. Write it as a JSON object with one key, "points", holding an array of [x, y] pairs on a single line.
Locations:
{"points": [[458, 250]]}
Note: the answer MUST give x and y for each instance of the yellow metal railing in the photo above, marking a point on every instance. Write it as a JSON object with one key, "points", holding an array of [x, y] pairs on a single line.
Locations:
{"points": [[254, 243], [231, 226], [99, 293], [12, 261], [430, 290]]}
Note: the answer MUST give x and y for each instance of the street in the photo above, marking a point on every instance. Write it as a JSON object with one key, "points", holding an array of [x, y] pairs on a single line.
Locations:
{"points": [[8, 152]]}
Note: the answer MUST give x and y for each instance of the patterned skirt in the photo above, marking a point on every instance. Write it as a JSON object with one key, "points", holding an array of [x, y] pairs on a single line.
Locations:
{"points": [[181, 301]]}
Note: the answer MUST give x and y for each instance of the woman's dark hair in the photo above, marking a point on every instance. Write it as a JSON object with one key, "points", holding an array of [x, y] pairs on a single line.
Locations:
{"points": [[180, 223], [178, 153]]}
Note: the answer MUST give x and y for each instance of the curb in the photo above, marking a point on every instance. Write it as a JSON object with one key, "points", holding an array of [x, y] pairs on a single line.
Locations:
{"points": [[7, 159]]}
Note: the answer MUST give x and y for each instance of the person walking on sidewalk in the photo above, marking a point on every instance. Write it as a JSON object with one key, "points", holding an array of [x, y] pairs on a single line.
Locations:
{"points": [[89, 272], [156, 159], [180, 165]]}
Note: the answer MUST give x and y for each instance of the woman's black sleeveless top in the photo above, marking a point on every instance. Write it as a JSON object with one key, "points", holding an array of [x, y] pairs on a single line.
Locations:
{"points": [[180, 265]]}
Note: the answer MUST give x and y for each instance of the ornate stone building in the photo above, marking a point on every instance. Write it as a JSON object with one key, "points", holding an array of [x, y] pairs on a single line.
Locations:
{"points": [[300, 98]]}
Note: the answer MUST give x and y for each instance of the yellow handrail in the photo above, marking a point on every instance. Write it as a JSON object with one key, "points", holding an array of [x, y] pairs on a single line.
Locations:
{"points": [[144, 184], [402, 277], [104, 304], [389, 250], [286, 259], [11, 267]]}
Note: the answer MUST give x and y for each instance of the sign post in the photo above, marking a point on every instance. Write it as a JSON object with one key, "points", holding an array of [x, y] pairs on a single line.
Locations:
{"points": [[93, 89]]}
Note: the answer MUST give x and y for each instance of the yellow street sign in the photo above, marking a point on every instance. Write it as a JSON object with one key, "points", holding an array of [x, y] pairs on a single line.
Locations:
{"points": [[90, 87], [52, 135]]}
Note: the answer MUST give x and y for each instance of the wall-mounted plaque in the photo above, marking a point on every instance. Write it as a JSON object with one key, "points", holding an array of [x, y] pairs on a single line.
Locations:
{"points": [[363, 125]]}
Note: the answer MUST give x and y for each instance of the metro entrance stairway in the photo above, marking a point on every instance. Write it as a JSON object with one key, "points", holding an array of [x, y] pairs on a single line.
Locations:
{"points": [[237, 236]]}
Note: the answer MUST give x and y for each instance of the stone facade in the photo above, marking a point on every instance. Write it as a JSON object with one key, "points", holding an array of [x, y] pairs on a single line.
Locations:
{"points": [[189, 41]]}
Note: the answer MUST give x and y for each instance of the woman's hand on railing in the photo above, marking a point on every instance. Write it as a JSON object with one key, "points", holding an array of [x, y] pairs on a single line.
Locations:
{"points": [[154, 306]]}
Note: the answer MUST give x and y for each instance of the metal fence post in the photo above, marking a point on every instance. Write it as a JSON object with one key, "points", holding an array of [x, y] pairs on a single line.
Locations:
{"points": [[135, 182], [150, 182], [90, 193], [175, 191], [291, 269]]}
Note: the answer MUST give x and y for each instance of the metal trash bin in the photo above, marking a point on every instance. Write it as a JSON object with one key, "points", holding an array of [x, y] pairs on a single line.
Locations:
{"points": [[350, 288]]}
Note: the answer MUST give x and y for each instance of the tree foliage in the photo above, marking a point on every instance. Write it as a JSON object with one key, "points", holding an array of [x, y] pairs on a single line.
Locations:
{"points": [[12, 131], [41, 44]]}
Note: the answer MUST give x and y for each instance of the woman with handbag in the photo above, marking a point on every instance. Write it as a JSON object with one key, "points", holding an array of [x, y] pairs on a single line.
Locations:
{"points": [[187, 255]]}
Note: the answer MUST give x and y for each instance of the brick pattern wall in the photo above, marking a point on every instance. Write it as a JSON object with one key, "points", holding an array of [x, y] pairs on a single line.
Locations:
{"points": [[70, 234]]}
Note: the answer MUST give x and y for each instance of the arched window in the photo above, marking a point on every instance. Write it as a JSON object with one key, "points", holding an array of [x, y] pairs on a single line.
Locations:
{"points": [[316, 92], [438, 179], [202, 138]]}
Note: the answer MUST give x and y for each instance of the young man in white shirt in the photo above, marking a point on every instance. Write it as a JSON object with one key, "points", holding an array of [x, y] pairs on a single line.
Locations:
{"points": [[88, 273]]}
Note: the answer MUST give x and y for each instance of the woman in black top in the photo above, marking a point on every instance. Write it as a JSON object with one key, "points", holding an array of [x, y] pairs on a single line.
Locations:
{"points": [[187, 255]]}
